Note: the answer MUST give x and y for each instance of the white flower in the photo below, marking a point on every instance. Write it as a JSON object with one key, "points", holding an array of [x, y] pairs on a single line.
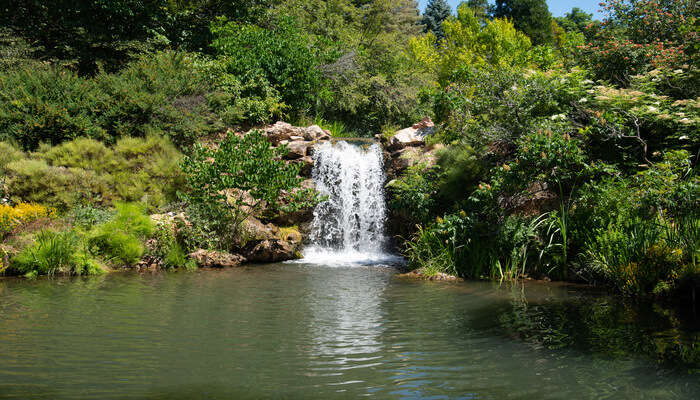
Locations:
{"points": [[653, 109], [683, 137], [558, 117], [678, 71], [582, 100], [587, 82]]}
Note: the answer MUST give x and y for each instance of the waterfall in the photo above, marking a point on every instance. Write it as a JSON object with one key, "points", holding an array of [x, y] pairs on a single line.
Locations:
{"points": [[349, 226]]}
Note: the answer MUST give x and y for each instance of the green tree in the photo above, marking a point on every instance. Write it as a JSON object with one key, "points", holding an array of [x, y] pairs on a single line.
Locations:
{"points": [[482, 9], [530, 16], [280, 56], [435, 13], [576, 20], [89, 33]]}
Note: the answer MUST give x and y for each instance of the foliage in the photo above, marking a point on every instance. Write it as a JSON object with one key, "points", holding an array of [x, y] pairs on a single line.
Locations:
{"points": [[21, 214], [529, 16], [468, 44], [85, 171], [460, 170], [169, 249], [413, 196], [435, 13], [638, 36], [69, 31], [119, 240], [52, 253], [281, 57], [367, 80], [228, 184], [159, 94]]}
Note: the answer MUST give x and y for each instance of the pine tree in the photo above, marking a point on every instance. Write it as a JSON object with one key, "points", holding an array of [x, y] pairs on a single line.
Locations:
{"points": [[532, 17], [436, 12]]}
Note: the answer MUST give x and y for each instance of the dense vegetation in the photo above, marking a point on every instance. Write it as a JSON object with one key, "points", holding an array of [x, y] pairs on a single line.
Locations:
{"points": [[568, 147], [573, 159]]}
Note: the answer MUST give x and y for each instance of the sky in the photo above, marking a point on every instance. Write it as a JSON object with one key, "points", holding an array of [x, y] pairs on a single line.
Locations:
{"points": [[557, 7]]}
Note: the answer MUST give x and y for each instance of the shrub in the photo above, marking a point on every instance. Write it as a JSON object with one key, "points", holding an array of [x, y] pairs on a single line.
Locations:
{"points": [[55, 252], [23, 213], [632, 256], [85, 171], [413, 196], [120, 239], [228, 184], [8, 153], [164, 93], [281, 57]]}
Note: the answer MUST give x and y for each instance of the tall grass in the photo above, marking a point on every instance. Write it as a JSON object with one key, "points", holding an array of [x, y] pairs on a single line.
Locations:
{"points": [[55, 252], [120, 239]]}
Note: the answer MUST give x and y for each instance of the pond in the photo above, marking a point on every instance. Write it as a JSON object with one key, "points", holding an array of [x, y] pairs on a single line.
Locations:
{"points": [[314, 331]]}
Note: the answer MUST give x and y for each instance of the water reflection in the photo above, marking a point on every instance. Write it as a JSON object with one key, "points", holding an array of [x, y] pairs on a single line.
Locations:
{"points": [[305, 331]]}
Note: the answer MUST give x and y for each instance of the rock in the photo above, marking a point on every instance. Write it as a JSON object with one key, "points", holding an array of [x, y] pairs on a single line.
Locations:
{"points": [[398, 165], [413, 136], [210, 258], [295, 138], [274, 250], [256, 230], [281, 131], [294, 218], [314, 132], [440, 276], [296, 150], [307, 166]]}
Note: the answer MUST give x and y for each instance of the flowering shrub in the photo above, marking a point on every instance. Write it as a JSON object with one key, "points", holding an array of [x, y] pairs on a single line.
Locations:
{"points": [[22, 213], [639, 35]]}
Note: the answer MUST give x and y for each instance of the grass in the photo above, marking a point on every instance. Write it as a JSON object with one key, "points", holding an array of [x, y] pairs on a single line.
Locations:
{"points": [[55, 252], [119, 240]]}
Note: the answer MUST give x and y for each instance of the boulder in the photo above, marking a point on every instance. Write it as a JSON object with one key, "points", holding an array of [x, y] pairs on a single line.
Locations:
{"points": [[307, 166], [295, 138], [256, 230], [211, 258], [413, 136], [274, 250], [296, 150], [281, 131], [314, 132]]}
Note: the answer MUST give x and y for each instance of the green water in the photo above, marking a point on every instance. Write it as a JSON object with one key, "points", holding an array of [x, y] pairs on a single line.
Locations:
{"points": [[302, 331]]}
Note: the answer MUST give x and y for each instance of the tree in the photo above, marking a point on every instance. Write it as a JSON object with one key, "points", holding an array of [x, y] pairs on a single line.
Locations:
{"points": [[481, 9], [228, 184], [468, 44], [529, 16], [89, 33], [576, 20], [435, 13]]}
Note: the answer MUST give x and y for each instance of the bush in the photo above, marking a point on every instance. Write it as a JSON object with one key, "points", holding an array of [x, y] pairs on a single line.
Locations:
{"points": [[120, 239], [54, 252], [163, 94], [23, 213], [85, 171], [228, 184], [281, 57], [8, 153]]}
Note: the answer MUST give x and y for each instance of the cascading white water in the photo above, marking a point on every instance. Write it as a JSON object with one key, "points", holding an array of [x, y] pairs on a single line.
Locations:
{"points": [[349, 226]]}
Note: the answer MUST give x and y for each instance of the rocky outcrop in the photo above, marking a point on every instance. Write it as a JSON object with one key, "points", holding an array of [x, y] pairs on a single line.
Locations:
{"points": [[407, 147], [412, 136], [274, 250], [283, 131], [216, 259]]}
